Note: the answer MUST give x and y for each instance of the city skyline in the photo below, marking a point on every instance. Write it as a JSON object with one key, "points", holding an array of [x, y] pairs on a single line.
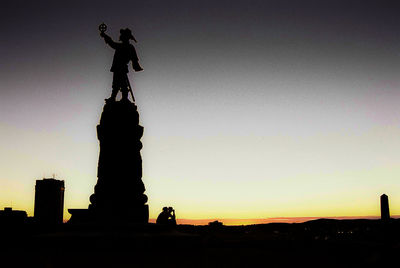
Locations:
{"points": [[251, 110]]}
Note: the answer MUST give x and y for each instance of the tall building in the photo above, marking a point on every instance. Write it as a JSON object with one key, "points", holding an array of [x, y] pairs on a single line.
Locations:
{"points": [[385, 215], [49, 201]]}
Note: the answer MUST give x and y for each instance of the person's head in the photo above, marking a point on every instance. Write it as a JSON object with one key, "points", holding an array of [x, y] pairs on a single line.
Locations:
{"points": [[165, 209], [125, 35]]}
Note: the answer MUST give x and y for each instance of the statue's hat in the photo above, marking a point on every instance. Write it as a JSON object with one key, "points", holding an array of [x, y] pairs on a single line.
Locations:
{"points": [[127, 33]]}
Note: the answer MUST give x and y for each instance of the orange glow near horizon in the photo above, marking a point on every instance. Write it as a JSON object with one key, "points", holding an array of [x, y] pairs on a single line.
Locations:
{"points": [[235, 222]]}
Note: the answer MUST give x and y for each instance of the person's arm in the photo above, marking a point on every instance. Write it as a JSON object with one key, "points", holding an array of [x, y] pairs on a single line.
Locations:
{"points": [[173, 214], [108, 40], [173, 218], [136, 66]]}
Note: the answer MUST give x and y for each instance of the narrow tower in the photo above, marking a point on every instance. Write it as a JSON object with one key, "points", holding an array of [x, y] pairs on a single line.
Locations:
{"points": [[385, 215]]}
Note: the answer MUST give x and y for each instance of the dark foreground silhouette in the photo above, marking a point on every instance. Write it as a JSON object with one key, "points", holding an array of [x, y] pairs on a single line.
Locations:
{"points": [[167, 217], [319, 243]]}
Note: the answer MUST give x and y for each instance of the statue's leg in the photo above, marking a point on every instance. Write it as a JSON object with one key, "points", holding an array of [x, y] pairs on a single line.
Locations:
{"points": [[124, 86], [124, 94], [115, 87], [114, 93]]}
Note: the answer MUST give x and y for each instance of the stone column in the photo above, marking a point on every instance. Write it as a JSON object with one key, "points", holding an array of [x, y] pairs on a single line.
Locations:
{"points": [[119, 192]]}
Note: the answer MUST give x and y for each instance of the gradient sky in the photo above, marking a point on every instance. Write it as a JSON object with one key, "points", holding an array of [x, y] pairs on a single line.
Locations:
{"points": [[251, 109]]}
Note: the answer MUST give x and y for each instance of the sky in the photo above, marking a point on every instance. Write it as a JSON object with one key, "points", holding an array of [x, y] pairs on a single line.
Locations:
{"points": [[251, 109]]}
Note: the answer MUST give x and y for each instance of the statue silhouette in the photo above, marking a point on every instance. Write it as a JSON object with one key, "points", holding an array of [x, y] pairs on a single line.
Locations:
{"points": [[124, 53]]}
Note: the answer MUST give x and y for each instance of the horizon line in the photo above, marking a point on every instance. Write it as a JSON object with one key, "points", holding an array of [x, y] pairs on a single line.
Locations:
{"points": [[238, 221]]}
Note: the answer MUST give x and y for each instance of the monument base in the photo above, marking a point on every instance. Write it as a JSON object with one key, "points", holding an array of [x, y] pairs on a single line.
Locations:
{"points": [[84, 216], [119, 192], [81, 215]]}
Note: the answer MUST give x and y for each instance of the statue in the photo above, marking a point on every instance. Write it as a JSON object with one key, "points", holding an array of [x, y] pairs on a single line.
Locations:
{"points": [[119, 194], [124, 53], [119, 191]]}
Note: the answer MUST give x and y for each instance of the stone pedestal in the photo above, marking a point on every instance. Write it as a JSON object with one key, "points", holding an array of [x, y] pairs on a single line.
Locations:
{"points": [[119, 192]]}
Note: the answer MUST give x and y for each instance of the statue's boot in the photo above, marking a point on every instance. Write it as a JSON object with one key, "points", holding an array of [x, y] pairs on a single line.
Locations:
{"points": [[113, 95], [124, 95]]}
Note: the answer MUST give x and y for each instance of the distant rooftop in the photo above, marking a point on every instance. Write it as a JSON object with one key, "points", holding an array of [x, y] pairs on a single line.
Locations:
{"points": [[50, 181]]}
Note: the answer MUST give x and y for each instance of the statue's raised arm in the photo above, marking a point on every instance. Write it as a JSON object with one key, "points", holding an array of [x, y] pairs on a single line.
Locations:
{"points": [[109, 40]]}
